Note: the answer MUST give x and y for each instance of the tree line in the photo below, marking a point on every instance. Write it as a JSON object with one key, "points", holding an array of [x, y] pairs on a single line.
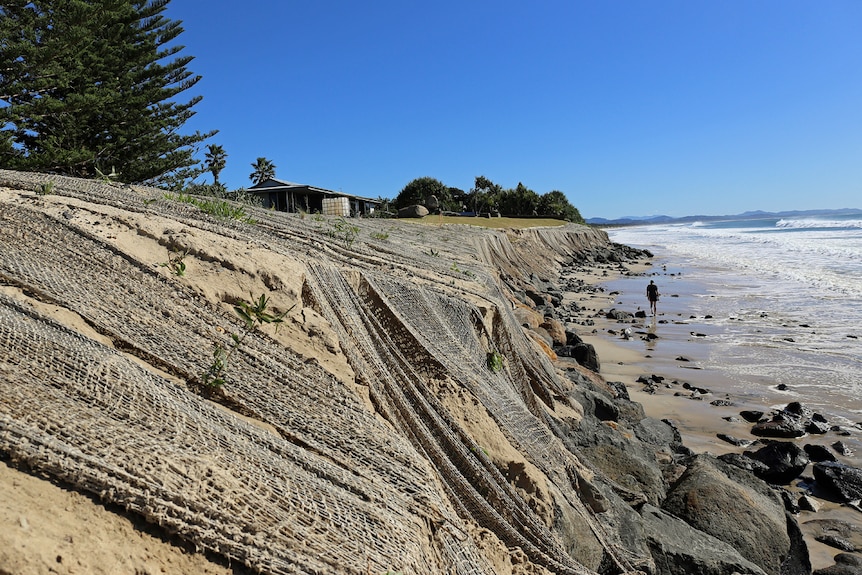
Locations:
{"points": [[89, 88], [486, 197]]}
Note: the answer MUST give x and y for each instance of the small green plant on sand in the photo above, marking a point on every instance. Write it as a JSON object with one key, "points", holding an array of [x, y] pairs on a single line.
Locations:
{"points": [[345, 231], [176, 263], [380, 236], [254, 315], [45, 189]]}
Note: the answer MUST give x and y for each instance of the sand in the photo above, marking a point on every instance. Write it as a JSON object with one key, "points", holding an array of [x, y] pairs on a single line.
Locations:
{"points": [[698, 421]]}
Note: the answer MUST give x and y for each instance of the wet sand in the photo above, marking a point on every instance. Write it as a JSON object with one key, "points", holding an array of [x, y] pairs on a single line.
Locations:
{"points": [[679, 355]]}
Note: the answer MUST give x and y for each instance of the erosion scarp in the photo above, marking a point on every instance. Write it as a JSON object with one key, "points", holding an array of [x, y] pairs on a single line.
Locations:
{"points": [[369, 433]]}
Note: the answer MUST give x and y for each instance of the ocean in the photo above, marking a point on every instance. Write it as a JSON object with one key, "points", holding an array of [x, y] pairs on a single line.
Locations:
{"points": [[762, 302]]}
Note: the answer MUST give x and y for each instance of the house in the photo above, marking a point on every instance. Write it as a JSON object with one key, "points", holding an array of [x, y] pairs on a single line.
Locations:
{"points": [[291, 197]]}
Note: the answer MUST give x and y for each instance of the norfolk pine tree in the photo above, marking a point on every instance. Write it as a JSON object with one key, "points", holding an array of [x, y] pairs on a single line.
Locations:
{"points": [[89, 85]]}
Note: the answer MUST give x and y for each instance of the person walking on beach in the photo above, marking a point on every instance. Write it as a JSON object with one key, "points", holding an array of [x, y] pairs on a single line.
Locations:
{"points": [[652, 296]]}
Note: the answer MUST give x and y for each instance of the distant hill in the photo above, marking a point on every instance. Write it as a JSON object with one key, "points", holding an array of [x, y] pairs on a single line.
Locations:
{"points": [[751, 215]]}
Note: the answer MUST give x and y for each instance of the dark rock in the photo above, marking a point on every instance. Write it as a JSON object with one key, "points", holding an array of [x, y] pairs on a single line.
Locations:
{"points": [[790, 504], [572, 338], [842, 566], [741, 461], [818, 453], [538, 298], [797, 562], [619, 389], [751, 416], [585, 354], [807, 503], [842, 481], [781, 387], [722, 403], [619, 315], [842, 448], [816, 427], [733, 506], [836, 542], [679, 549], [734, 440], [781, 428], [786, 461], [681, 358], [796, 408], [640, 313]]}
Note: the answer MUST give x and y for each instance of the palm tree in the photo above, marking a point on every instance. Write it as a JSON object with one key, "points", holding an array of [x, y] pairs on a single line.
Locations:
{"points": [[215, 160], [263, 170]]}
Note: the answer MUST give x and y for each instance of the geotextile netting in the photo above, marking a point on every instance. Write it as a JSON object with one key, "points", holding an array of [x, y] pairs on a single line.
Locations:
{"points": [[328, 487]]}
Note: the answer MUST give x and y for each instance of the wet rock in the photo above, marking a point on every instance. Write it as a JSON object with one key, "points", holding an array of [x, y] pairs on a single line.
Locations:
{"points": [[842, 448], [722, 403], [818, 453], [845, 564], [836, 542], [734, 440], [842, 481], [780, 428], [619, 315], [751, 416], [785, 461]]}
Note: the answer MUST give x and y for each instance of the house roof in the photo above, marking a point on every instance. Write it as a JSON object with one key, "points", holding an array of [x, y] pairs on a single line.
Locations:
{"points": [[276, 185]]}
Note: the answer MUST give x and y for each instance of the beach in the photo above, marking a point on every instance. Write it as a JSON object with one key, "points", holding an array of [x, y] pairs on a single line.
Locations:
{"points": [[681, 355]]}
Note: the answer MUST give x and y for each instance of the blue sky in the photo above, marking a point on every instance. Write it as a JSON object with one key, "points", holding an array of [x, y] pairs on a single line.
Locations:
{"points": [[628, 107]]}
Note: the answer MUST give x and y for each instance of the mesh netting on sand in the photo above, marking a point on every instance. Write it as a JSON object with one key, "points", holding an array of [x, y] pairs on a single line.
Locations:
{"points": [[329, 486]]}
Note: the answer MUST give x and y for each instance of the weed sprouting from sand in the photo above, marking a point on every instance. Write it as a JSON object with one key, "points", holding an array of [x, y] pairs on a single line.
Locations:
{"points": [[218, 208], [254, 315], [380, 236], [175, 262], [45, 188], [345, 231]]}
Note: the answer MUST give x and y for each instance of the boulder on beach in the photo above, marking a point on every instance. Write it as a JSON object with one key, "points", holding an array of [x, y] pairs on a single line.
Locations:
{"points": [[733, 506], [785, 461], [680, 549], [619, 315], [839, 480]]}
